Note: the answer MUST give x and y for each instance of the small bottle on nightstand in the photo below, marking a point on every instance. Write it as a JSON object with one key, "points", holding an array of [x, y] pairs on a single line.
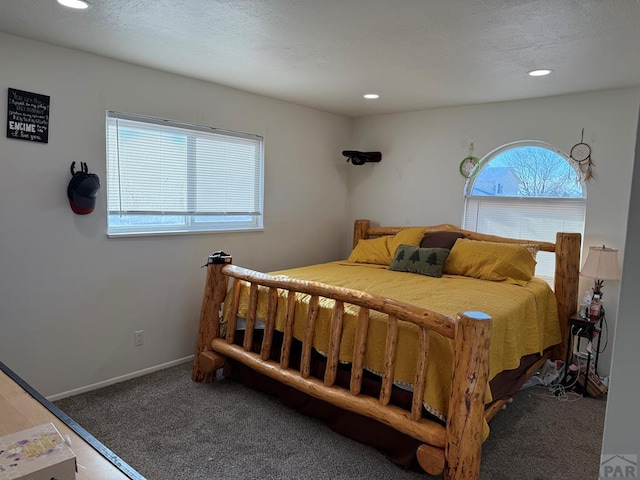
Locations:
{"points": [[585, 306], [595, 308]]}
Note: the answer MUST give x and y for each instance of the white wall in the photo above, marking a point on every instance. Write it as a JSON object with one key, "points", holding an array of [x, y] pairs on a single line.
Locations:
{"points": [[622, 422], [418, 183], [70, 298]]}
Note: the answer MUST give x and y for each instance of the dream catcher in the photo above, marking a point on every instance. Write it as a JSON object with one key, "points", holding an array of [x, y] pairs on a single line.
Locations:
{"points": [[581, 154]]}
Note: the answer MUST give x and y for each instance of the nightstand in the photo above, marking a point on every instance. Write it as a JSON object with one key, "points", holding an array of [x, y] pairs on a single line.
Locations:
{"points": [[583, 328]]}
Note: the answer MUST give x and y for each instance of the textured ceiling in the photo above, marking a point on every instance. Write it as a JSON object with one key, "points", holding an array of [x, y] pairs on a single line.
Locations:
{"points": [[326, 54]]}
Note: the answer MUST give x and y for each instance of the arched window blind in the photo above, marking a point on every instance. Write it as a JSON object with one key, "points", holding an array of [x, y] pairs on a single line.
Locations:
{"points": [[526, 190], [169, 177]]}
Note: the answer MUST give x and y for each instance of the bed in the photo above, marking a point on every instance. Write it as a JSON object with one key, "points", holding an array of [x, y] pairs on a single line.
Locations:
{"points": [[439, 339]]}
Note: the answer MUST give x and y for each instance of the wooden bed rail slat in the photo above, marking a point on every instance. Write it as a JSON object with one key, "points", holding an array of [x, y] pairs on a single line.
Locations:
{"points": [[389, 368], [333, 355], [419, 384], [270, 323], [307, 340], [424, 430], [389, 306], [359, 346], [235, 301], [251, 316], [285, 352]]}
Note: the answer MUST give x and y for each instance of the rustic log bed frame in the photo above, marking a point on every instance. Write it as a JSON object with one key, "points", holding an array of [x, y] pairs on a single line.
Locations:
{"points": [[453, 449]]}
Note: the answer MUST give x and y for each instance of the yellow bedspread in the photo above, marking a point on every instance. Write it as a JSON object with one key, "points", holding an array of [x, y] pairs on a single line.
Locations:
{"points": [[525, 320]]}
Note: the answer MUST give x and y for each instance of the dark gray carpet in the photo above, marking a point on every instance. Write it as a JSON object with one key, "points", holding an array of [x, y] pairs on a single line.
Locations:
{"points": [[169, 428]]}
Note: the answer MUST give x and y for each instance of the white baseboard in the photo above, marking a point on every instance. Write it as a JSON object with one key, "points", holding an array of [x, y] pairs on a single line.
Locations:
{"points": [[121, 378]]}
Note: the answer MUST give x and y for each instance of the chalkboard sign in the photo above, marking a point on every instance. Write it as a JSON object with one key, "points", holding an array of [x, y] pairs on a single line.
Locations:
{"points": [[28, 116]]}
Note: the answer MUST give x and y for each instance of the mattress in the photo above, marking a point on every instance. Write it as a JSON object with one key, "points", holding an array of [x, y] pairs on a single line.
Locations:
{"points": [[524, 320]]}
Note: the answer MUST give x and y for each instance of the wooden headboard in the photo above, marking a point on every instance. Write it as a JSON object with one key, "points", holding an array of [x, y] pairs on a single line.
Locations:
{"points": [[567, 271]]}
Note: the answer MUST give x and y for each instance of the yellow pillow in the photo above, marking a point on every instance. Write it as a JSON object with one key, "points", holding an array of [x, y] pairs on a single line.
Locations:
{"points": [[381, 250], [499, 262]]}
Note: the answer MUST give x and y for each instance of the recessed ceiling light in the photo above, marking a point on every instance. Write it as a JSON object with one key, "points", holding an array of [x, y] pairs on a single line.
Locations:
{"points": [[540, 73], [371, 95], [78, 4]]}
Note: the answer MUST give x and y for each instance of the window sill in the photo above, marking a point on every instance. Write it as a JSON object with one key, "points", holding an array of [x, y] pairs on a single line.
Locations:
{"points": [[162, 234]]}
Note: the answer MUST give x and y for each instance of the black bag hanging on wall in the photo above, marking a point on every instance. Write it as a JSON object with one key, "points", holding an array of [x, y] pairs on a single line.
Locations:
{"points": [[82, 189]]}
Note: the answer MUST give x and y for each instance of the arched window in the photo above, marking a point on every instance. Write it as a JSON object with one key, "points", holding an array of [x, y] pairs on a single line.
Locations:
{"points": [[527, 190]]}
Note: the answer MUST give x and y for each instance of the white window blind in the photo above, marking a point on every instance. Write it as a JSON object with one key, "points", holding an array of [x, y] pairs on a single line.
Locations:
{"points": [[526, 190], [168, 177], [532, 218]]}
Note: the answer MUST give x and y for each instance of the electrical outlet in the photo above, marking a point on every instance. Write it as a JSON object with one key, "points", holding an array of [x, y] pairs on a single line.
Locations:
{"points": [[138, 338]]}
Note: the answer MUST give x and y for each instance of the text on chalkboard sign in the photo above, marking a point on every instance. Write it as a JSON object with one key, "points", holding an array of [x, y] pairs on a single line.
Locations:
{"points": [[28, 116]]}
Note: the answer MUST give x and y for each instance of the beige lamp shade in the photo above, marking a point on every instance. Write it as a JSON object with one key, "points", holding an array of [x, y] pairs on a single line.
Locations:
{"points": [[601, 264]]}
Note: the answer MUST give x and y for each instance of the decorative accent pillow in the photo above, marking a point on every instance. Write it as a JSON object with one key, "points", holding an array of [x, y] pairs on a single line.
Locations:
{"points": [[440, 239], [381, 250], [425, 261], [499, 262]]}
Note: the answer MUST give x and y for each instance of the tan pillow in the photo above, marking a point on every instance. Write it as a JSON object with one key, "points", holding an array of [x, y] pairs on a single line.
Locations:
{"points": [[381, 250], [498, 262], [532, 248]]}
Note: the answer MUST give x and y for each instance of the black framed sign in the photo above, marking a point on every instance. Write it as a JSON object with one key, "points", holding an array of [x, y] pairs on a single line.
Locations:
{"points": [[28, 116]]}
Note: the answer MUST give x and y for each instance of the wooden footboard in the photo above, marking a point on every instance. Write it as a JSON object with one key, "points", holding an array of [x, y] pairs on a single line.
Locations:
{"points": [[454, 449]]}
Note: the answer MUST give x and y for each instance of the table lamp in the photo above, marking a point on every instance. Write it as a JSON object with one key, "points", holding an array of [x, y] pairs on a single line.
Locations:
{"points": [[601, 264]]}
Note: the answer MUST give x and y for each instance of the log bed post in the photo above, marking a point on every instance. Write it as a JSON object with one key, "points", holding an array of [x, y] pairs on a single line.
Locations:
{"points": [[566, 284], [360, 228], [206, 362], [468, 387]]}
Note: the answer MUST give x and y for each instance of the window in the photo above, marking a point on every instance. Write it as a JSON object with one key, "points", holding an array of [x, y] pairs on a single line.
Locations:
{"points": [[170, 177], [526, 190]]}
